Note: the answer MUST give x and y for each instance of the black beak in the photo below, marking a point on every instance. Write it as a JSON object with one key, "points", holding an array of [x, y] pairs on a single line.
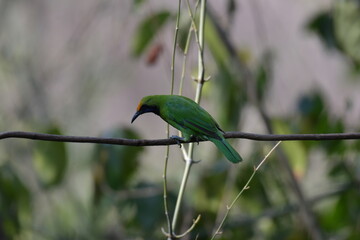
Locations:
{"points": [[135, 116]]}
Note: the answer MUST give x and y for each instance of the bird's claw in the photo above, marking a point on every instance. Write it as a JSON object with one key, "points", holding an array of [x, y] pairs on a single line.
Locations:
{"points": [[205, 79], [178, 139], [192, 160], [196, 161], [196, 139]]}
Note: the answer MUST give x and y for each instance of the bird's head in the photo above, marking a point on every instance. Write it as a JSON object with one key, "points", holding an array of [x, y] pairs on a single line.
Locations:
{"points": [[147, 104]]}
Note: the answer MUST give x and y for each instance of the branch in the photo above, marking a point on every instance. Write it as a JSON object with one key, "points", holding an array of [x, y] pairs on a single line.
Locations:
{"points": [[289, 208], [164, 142], [246, 186]]}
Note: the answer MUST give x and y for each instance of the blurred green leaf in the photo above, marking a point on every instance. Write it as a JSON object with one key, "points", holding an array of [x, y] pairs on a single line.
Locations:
{"points": [[347, 27], [212, 182], [216, 44], [340, 29], [316, 119], [263, 76], [228, 78], [323, 25], [50, 160], [261, 82], [118, 164], [311, 104], [147, 30], [295, 150], [314, 115], [14, 203], [231, 7], [148, 210], [138, 3], [343, 215], [184, 31], [333, 218], [338, 171]]}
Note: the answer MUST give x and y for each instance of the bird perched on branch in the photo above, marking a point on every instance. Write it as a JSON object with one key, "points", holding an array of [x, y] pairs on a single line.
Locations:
{"points": [[187, 116]]}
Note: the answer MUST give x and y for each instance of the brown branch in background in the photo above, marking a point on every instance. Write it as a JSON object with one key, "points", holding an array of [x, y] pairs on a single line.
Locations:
{"points": [[290, 208], [164, 142], [306, 213]]}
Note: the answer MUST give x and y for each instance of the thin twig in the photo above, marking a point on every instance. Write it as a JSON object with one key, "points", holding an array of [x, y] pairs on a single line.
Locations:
{"points": [[188, 157], [201, 66], [246, 186], [178, 236], [290, 208], [195, 221], [186, 50], [199, 41], [187, 46], [174, 48], [166, 208]]}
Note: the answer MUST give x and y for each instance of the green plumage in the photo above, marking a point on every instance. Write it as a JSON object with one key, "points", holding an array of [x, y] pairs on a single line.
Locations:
{"points": [[188, 117]]}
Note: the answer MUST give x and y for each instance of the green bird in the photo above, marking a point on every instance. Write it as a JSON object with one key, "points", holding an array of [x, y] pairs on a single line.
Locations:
{"points": [[187, 116]]}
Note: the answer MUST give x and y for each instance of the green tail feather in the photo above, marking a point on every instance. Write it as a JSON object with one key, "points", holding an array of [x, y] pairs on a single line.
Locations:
{"points": [[229, 152]]}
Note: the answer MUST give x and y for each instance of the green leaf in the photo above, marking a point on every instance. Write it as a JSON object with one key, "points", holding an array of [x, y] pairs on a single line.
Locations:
{"points": [[149, 209], [340, 29], [216, 44], [263, 75], [14, 203], [295, 150], [212, 180], [323, 25], [347, 27], [147, 30], [316, 119], [138, 3], [184, 32], [228, 77], [50, 160], [118, 164], [341, 214]]}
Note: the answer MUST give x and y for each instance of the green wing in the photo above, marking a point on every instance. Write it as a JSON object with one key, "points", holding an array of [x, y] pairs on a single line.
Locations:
{"points": [[201, 128], [191, 119]]}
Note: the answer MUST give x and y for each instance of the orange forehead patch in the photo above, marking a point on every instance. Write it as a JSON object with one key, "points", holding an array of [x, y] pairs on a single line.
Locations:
{"points": [[139, 106]]}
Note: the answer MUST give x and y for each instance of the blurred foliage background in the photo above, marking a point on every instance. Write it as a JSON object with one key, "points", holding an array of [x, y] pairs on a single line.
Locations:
{"points": [[80, 67]]}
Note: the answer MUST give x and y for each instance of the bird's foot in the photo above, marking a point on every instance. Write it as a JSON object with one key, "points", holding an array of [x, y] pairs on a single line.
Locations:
{"points": [[178, 139], [196, 139], [196, 161], [192, 161]]}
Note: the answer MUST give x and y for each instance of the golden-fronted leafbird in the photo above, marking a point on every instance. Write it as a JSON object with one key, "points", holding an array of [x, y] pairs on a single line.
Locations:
{"points": [[187, 116]]}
